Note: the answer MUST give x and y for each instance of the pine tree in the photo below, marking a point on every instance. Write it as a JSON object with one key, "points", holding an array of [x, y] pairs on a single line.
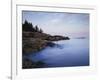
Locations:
{"points": [[41, 31], [36, 28], [26, 26]]}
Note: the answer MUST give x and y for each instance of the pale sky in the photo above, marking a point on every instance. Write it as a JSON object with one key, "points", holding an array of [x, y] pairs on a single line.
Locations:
{"points": [[55, 23]]}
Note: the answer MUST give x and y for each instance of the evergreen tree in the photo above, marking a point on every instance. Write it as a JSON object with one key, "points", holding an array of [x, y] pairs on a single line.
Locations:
{"points": [[36, 28], [41, 31], [26, 26]]}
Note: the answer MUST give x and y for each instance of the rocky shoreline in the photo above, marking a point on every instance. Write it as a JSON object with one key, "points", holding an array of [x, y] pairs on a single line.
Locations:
{"points": [[35, 40], [28, 64]]}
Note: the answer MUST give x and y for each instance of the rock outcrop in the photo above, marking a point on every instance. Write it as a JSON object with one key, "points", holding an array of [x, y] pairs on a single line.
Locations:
{"points": [[35, 41], [27, 64]]}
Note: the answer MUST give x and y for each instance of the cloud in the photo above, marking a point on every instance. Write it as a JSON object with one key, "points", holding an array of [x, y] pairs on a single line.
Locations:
{"points": [[59, 23]]}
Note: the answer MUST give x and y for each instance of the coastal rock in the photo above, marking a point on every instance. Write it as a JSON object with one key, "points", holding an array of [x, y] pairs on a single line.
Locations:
{"points": [[35, 45], [33, 42], [43, 36], [57, 38], [27, 64]]}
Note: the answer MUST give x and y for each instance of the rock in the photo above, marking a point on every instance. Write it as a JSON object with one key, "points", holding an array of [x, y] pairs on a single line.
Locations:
{"points": [[43, 36], [57, 38], [27, 64], [50, 44], [33, 42], [33, 45]]}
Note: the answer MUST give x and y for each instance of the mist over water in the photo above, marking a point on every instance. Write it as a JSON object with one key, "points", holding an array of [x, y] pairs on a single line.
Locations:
{"points": [[67, 53]]}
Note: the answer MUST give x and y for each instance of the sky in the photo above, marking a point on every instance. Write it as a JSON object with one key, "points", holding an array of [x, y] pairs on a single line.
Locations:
{"points": [[59, 23]]}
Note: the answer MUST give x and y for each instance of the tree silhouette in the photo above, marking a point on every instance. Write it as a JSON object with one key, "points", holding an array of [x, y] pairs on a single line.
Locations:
{"points": [[41, 31], [27, 26], [36, 28]]}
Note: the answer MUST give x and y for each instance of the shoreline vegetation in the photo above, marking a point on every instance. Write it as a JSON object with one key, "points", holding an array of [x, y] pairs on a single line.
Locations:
{"points": [[35, 40]]}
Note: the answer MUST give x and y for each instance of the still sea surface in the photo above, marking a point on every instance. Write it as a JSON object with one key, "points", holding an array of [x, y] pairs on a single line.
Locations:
{"points": [[67, 53]]}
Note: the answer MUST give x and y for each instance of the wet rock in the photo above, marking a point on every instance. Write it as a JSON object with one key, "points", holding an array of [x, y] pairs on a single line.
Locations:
{"points": [[28, 64]]}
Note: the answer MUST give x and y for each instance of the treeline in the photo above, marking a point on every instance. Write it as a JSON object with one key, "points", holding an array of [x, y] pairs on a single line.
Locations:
{"points": [[27, 26]]}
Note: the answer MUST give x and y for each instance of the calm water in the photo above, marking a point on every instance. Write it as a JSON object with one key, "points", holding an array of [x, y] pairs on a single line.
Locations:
{"points": [[74, 52]]}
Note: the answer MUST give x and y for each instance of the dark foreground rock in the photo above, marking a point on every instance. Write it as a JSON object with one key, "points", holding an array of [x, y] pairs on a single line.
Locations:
{"points": [[27, 64]]}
